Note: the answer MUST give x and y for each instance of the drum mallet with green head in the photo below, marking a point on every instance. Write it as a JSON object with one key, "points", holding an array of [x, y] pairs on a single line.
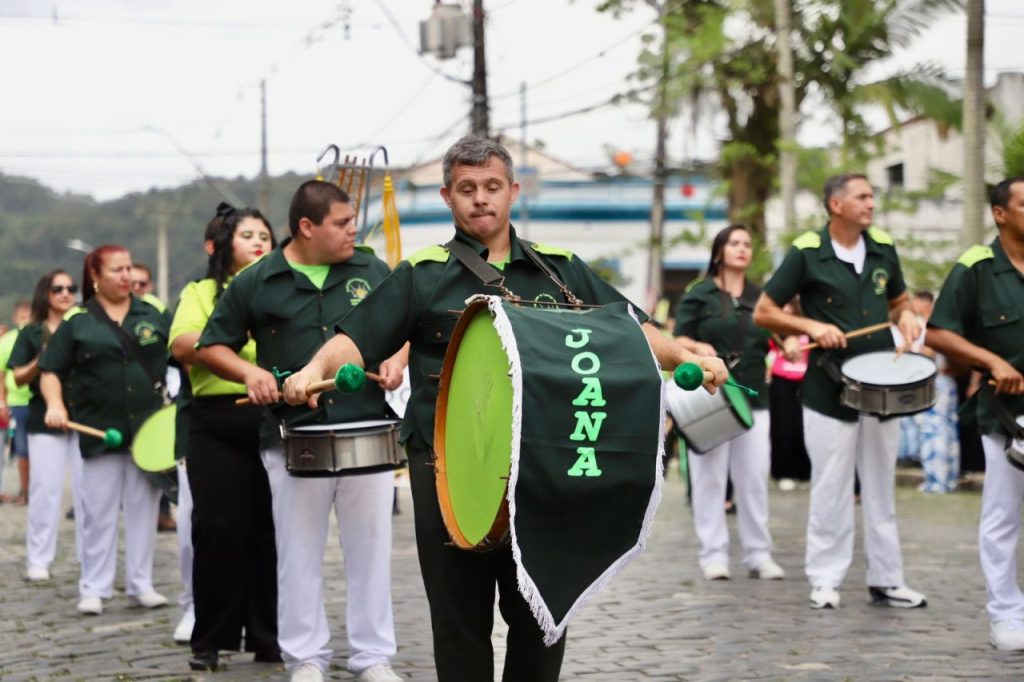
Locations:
{"points": [[689, 376], [112, 438], [348, 379]]}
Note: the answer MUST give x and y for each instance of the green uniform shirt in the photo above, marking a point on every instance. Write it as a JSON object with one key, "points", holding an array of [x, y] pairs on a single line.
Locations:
{"points": [[708, 314], [982, 300], [830, 291], [17, 396], [290, 319], [194, 308], [103, 387], [27, 347], [418, 303]]}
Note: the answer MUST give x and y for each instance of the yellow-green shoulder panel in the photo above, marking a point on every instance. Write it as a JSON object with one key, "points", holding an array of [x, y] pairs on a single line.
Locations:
{"points": [[880, 236], [975, 254], [435, 253], [365, 248], [692, 284], [808, 240], [154, 301], [75, 310], [549, 250]]}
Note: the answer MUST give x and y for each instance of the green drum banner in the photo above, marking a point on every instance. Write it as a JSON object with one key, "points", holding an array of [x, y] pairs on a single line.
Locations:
{"points": [[569, 403]]}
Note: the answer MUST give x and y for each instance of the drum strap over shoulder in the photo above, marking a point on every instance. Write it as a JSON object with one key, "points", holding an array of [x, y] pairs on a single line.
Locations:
{"points": [[131, 349], [1002, 414], [492, 278]]}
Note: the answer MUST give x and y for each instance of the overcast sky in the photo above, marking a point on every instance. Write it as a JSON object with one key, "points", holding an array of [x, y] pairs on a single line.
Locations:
{"points": [[104, 97]]}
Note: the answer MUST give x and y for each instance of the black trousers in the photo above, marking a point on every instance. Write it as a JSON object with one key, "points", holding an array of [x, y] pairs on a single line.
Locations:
{"points": [[789, 455], [234, 570], [460, 589]]}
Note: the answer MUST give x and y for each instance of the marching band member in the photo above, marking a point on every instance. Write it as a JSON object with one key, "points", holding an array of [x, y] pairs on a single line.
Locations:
{"points": [[289, 302], [413, 305], [978, 319], [234, 563], [52, 449], [714, 318], [109, 355], [848, 275]]}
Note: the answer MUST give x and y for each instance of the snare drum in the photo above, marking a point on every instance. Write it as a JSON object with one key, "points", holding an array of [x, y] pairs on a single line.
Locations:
{"points": [[363, 447], [548, 434], [883, 383], [153, 450], [705, 420]]}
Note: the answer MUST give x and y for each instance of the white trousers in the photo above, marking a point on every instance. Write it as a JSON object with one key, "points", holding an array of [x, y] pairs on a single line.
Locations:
{"points": [[184, 521], [746, 459], [999, 531], [110, 482], [302, 508], [835, 447], [51, 453]]}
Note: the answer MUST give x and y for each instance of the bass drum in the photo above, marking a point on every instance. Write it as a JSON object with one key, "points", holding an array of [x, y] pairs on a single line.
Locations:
{"points": [[153, 450]]}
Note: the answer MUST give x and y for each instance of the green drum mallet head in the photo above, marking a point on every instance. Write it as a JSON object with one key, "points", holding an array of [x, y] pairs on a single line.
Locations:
{"points": [[350, 378], [688, 376], [112, 438]]}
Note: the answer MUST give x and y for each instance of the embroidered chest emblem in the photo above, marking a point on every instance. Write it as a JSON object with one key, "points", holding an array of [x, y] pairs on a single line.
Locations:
{"points": [[146, 334], [357, 289], [880, 278]]}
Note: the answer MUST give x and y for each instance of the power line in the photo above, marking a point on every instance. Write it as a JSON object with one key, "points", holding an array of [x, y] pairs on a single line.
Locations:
{"points": [[408, 43]]}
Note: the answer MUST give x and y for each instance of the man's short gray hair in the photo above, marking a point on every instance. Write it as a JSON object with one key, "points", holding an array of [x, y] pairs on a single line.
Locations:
{"points": [[836, 184], [474, 151]]}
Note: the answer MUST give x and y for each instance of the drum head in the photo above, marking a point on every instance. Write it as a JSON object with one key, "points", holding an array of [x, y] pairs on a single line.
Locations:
{"points": [[474, 454], [739, 403], [885, 368], [153, 447]]}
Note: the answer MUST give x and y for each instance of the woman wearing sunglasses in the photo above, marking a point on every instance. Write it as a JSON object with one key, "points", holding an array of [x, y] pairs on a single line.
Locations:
{"points": [[50, 449]]}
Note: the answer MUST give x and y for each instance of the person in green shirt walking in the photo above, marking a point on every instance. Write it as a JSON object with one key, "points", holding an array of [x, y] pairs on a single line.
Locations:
{"points": [[52, 450], [978, 319], [848, 276], [15, 399], [714, 318], [415, 305], [91, 375]]}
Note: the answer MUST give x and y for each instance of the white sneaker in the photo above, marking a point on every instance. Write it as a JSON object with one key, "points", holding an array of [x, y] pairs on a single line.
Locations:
{"points": [[307, 672], [716, 571], [37, 574], [900, 597], [381, 672], [768, 570], [92, 606], [1007, 635], [150, 600], [787, 485], [824, 598], [183, 631]]}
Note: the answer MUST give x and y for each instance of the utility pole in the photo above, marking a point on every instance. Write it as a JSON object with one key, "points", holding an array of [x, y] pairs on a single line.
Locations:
{"points": [[974, 125], [264, 199], [654, 254], [480, 114], [787, 113], [162, 260]]}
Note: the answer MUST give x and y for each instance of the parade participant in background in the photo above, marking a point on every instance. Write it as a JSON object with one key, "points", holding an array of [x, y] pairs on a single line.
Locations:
{"points": [[413, 305], [714, 319], [52, 449], [142, 287], [17, 399], [234, 568], [786, 431], [979, 320], [848, 276], [288, 303], [109, 356]]}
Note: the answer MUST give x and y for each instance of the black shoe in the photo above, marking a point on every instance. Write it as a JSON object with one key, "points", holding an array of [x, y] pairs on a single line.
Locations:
{"points": [[267, 656], [204, 660]]}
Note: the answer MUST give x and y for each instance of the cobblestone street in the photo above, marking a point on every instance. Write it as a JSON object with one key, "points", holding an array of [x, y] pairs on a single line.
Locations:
{"points": [[659, 620]]}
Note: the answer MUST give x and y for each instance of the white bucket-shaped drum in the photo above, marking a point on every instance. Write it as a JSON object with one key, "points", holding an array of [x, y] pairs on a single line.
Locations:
{"points": [[706, 420], [363, 447], [885, 383]]}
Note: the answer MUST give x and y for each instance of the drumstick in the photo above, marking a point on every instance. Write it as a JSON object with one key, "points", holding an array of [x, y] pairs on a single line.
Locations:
{"points": [[690, 376], [348, 379], [863, 331], [112, 438]]}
